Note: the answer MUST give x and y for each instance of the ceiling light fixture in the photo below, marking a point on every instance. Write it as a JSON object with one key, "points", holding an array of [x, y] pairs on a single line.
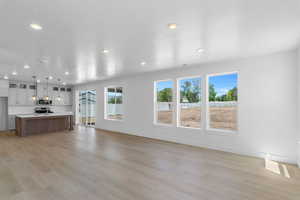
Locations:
{"points": [[26, 66], [143, 63], [36, 27], [172, 26], [50, 77], [105, 51], [14, 73], [38, 80], [67, 73], [5, 77], [200, 50], [64, 83]]}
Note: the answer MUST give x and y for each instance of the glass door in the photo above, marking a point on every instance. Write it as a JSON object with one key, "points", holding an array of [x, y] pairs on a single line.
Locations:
{"points": [[82, 108], [87, 107], [91, 108]]}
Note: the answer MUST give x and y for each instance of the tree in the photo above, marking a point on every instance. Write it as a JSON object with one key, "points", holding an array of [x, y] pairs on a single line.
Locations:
{"points": [[190, 91], [212, 92], [165, 95], [232, 94]]}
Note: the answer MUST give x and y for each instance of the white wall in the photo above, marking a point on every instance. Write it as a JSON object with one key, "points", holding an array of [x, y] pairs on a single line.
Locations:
{"points": [[267, 107]]}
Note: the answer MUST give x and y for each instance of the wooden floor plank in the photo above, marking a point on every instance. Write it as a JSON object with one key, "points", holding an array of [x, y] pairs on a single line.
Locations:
{"points": [[93, 164]]}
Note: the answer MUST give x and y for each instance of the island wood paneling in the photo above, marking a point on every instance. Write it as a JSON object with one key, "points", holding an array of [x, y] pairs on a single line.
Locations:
{"points": [[37, 125]]}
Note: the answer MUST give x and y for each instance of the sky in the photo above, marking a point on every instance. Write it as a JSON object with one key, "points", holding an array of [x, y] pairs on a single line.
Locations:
{"points": [[164, 84], [222, 83]]}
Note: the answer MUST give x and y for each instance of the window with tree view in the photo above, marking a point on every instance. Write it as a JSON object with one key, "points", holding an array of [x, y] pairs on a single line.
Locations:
{"points": [[222, 101], [164, 102], [114, 103], [189, 107]]}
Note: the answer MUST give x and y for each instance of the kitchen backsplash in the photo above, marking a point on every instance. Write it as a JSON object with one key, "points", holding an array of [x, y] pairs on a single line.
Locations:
{"points": [[14, 110]]}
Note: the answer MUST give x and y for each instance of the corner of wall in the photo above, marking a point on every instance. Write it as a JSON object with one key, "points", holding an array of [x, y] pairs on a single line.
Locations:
{"points": [[298, 106]]}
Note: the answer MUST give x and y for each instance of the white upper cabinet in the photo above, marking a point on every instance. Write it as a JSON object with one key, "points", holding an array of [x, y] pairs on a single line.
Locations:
{"points": [[43, 91], [20, 94], [3, 88], [12, 94]]}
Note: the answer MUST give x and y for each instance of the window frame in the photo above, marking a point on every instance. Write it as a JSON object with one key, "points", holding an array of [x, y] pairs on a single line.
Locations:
{"points": [[155, 122], [207, 126], [178, 110], [105, 102]]}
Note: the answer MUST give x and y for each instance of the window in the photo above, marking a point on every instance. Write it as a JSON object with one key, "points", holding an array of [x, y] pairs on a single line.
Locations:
{"points": [[189, 102], [32, 87], [163, 102], [114, 103], [13, 85], [23, 86], [222, 101]]}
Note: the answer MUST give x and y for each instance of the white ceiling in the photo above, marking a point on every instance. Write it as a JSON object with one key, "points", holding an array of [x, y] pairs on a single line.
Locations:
{"points": [[75, 32]]}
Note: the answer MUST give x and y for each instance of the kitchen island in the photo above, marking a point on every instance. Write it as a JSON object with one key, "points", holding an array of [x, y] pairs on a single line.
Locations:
{"points": [[43, 123]]}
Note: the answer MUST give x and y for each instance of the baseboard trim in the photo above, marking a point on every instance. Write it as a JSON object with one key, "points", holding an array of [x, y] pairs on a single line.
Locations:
{"points": [[261, 155]]}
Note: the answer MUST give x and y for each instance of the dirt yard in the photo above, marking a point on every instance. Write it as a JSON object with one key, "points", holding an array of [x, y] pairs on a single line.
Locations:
{"points": [[190, 117], [223, 118], [220, 117]]}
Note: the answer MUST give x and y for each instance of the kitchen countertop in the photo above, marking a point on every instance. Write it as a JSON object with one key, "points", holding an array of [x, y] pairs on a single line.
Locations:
{"points": [[45, 115]]}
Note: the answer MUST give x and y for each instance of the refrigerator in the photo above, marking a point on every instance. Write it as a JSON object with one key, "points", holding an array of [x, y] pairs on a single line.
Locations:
{"points": [[3, 113]]}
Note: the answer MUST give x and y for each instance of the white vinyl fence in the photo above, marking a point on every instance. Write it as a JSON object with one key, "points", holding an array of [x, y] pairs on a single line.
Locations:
{"points": [[165, 106], [223, 103]]}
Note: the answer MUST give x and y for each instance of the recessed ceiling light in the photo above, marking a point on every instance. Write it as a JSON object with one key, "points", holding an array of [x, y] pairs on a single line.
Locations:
{"points": [[200, 50], [143, 63], [67, 73], [38, 80], [36, 27], [5, 77], [14, 73], [26, 66], [105, 51], [172, 26], [50, 77]]}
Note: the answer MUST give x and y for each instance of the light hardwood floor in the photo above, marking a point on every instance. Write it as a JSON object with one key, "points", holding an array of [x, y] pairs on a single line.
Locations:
{"points": [[86, 164]]}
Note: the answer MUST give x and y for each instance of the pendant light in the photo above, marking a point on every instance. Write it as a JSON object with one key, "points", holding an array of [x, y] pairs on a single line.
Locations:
{"points": [[58, 98], [34, 97]]}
